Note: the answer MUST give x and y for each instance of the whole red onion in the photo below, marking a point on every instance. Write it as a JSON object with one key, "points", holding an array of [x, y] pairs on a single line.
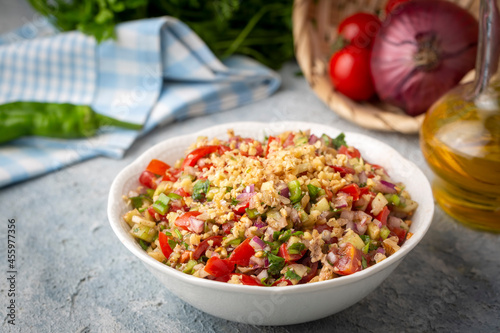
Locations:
{"points": [[422, 50]]}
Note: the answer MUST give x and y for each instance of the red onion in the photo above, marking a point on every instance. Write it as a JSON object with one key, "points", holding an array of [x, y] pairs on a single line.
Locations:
{"points": [[385, 187], [362, 177], [285, 192], [249, 189], [243, 197], [259, 224], [257, 243], [422, 50], [196, 225], [262, 275], [313, 139], [380, 250], [340, 201], [394, 222], [331, 257]]}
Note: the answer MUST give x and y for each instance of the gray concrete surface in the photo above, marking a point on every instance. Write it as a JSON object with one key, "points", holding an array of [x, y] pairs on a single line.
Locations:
{"points": [[73, 275]]}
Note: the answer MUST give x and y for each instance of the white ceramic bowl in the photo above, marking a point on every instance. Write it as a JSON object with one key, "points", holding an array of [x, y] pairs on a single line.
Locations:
{"points": [[274, 305]]}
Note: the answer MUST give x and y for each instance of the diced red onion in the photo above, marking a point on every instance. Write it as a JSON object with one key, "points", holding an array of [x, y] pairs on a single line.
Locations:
{"points": [[362, 218], [360, 228], [249, 189], [196, 225], [258, 223], [331, 257], [257, 243], [385, 187], [380, 250], [258, 262], [347, 214], [285, 192], [362, 177], [312, 139], [262, 275], [340, 201], [244, 196], [394, 222], [350, 225]]}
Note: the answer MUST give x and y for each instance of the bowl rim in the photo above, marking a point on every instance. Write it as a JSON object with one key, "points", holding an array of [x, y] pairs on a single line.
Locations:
{"points": [[127, 240]]}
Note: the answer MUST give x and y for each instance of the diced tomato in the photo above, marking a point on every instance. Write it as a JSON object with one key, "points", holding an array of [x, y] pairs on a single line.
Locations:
{"points": [[247, 279], [148, 179], [289, 258], [352, 190], [349, 260], [223, 278], [185, 257], [382, 216], [183, 221], [218, 267], [349, 152], [329, 194], [241, 207], [343, 170], [288, 282], [289, 140], [157, 167], [399, 232], [226, 227], [242, 253], [201, 152], [180, 191], [312, 273], [171, 175], [164, 246], [200, 250], [268, 146]]}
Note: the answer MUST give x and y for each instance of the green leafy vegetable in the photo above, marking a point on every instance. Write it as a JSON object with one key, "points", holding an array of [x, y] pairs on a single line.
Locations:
{"points": [[260, 29], [291, 275], [296, 248], [200, 189], [339, 141], [276, 264]]}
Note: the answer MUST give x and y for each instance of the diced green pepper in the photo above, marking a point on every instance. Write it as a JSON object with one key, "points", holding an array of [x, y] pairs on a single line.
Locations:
{"points": [[252, 213], [189, 266], [142, 232], [313, 191], [295, 191], [143, 244], [300, 140], [174, 196], [162, 204]]}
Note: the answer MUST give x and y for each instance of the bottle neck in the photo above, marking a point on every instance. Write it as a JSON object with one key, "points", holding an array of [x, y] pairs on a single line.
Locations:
{"points": [[488, 56]]}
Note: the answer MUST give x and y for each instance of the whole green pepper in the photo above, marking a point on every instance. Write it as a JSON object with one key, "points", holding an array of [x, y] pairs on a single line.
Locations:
{"points": [[18, 119]]}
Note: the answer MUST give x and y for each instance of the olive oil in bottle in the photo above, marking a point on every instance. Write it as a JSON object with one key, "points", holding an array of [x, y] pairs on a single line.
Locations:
{"points": [[460, 136]]}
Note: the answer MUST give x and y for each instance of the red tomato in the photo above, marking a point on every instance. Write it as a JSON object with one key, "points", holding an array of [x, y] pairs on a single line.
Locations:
{"points": [[350, 73], [271, 139], [247, 279], [201, 152], [349, 260], [185, 257], [399, 232], [352, 190], [157, 167], [349, 152], [200, 250], [148, 179], [288, 282], [153, 213], [289, 258], [180, 191], [289, 140], [164, 246], [360, 29], [382, 216], [226, 227], [171, 175], [343, 170], [183, 221], [242, 253], [241, 207], [218, 267], [391, 4]]}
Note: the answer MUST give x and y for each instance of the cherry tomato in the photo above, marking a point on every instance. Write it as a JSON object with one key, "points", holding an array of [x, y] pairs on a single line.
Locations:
{"points": [[312, 273], [360, 29], [288, 282], [157, 167], [399, 232], [350, 72], [289, 258], [392, 4], [247, 279], [348, 260], [352, 190], [226, 227], [183, 221], [349, 152], [242, 253], [148, 179], [218, 267], [164, 246], [180, 191], [343, 170], [200, 250], [269, 141]]}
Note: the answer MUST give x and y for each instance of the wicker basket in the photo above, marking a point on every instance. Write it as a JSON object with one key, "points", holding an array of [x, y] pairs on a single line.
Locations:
{"points": [[315, 30]]}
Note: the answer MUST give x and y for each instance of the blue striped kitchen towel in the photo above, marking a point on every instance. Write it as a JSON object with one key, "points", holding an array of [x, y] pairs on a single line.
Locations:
{"points": [[156, 71]]}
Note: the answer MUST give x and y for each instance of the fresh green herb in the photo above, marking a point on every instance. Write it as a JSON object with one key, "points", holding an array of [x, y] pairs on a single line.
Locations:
{"points": [[137, 202], [143, 244], [167, 233], [339, 141], [296, 248], [178, 233], [276, 263], [366, 239], [234, 202], [363, 262], [366, 248], [200, 189], [291, 275], [162, 204], [362, 184]]}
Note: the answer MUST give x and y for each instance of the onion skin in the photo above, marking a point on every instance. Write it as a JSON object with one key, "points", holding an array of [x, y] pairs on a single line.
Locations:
{"points": [[423, 49]]}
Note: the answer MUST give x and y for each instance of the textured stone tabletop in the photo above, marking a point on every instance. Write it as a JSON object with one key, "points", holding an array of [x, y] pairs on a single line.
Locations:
{"points": [[73, 275]]}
